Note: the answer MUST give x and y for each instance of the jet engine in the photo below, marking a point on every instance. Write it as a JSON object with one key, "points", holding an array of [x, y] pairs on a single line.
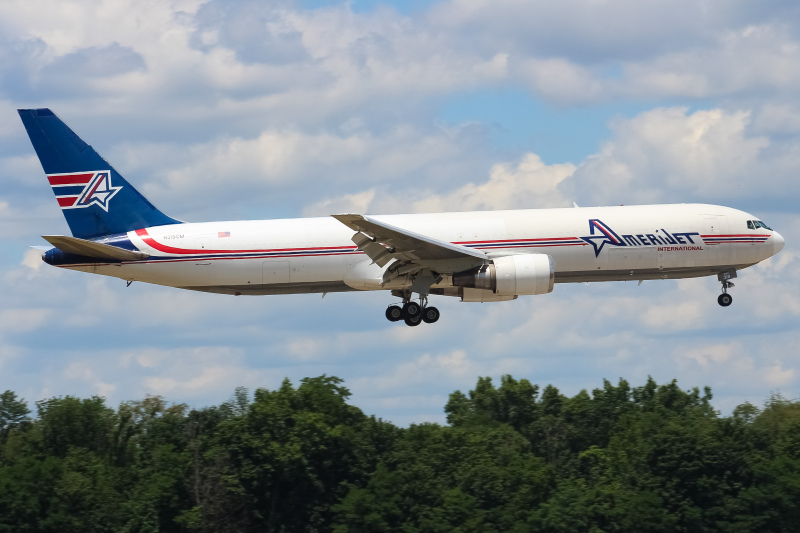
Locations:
{"points": [[511, 275]]}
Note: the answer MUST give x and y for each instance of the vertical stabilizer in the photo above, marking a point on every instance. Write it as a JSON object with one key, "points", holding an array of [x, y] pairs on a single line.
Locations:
{"points": [[95, 199]]}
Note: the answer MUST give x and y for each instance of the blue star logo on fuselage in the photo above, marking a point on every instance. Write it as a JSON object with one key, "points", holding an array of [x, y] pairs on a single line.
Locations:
{"points": [[606, 236]]}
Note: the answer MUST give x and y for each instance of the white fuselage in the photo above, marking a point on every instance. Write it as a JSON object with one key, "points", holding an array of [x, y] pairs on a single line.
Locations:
{"points": [[317, 254]]}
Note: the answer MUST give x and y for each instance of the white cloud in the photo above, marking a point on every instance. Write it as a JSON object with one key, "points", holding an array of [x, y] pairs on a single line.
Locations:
{"points": [[449, 367], [8, 354], [348, 203], [661, 155], [184, 373], [219, 174], [208, 377], [681, 317], [780, 118], [740, 61], [305, 348], [777, 376], [214, 113], [562, 81], [666, 152], [21, 169], [68, 26], [23, 320], [715, 354], [529, 184], [33, 259]]}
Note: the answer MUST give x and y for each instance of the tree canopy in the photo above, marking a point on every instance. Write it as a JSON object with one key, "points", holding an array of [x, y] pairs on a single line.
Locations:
{"points": [[512, 457]]}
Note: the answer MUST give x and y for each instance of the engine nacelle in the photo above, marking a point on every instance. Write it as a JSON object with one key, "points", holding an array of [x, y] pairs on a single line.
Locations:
{"points": [[511, 275]]}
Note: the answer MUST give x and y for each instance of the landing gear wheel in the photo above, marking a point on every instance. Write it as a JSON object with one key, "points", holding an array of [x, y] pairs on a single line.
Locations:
{"points": [[394, 313], [413, 320], [725, 299], [430, 315], [411, 309]]}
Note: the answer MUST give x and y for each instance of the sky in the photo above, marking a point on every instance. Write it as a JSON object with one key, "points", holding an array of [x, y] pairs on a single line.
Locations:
{"points": [[227, 110]]}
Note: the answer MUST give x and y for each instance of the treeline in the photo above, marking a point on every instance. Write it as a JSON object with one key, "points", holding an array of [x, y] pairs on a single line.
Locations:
{"points": [[301, 459]]}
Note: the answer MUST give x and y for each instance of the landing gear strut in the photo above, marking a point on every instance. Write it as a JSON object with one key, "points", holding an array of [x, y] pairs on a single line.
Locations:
{"points": [[726, 299], [413, 313]]}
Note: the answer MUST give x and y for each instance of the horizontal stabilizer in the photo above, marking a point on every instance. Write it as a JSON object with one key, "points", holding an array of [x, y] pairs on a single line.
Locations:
{"points": [[73, 245]]}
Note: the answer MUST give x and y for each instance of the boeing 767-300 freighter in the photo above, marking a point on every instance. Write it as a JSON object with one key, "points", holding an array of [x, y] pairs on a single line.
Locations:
{"points": [[486, 256]]}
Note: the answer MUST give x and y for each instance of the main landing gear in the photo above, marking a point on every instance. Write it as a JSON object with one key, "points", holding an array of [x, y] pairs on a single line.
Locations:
{"points": [[413, 313], [726, 299]]}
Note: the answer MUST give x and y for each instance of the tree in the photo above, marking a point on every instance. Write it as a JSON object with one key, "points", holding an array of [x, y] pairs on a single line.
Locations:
{"points": [[71, 422], [13, 413], [302, 459]]}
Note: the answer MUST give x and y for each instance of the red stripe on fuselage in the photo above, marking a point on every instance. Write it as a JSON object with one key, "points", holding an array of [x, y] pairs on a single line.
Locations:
{"points": [[198, 259], [753, 235], [150, 241], [70, 179], [517, 240], [737, 242], [534, 245]]}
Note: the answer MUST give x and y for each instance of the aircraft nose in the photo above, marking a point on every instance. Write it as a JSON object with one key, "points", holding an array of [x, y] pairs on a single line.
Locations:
{"points": [[777, 241]]}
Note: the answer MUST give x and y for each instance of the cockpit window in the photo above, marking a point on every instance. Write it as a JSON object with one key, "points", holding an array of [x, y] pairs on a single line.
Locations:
{"points": [[750, 225], [760, 224]]}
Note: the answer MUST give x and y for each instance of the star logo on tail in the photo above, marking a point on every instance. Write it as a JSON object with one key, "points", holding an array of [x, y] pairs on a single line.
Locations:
{"points": [[98, 191]]}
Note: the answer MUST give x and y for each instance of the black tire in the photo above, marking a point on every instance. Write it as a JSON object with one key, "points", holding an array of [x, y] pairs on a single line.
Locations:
{"points": [[725, 300], [430, 315], [394, 313], [413, 320], [411, 309]]}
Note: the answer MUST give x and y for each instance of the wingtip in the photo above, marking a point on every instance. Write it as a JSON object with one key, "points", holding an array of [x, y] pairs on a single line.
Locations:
{"points": [[49, 238]]}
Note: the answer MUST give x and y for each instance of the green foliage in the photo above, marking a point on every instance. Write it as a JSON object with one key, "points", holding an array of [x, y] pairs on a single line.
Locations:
{"points": [[13, 413], [71, 422], [513, 457]]}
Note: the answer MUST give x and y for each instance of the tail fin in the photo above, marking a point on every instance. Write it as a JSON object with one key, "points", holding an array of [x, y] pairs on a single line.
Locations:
{"points": [[95, 199]]}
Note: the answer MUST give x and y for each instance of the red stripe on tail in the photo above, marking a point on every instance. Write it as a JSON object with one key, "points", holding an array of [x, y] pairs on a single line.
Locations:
{"points": [[66, 201], [70, 179]]}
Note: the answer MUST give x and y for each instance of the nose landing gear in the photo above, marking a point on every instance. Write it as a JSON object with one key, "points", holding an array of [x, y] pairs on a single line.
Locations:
{"points": [[726, 299]]}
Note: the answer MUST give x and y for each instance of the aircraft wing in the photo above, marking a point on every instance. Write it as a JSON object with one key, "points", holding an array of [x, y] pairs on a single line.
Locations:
{"points": [[383, 242], [74, 245]]}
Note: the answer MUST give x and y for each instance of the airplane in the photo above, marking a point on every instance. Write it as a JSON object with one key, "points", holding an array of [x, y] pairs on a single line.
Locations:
{"points": [[486, 256]]}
